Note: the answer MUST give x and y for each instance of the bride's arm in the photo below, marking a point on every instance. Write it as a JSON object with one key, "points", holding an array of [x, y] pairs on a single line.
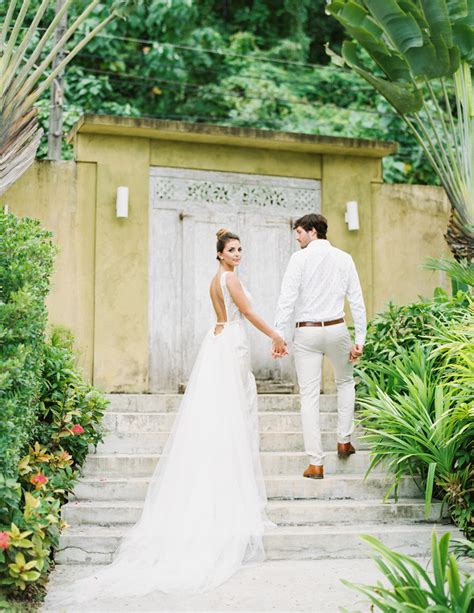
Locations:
{"points": [[238, 296]]}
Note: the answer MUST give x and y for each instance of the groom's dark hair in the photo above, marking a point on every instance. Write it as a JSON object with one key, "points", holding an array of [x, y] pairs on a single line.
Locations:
{"points": [[312, 222]]}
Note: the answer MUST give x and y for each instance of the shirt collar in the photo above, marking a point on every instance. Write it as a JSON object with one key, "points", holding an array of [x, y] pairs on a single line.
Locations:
{"points": [[320, 242]]}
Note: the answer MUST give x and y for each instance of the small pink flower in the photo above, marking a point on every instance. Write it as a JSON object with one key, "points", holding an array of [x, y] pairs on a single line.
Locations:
{"points": [[39, 480], [4, 540], [77, 429]]}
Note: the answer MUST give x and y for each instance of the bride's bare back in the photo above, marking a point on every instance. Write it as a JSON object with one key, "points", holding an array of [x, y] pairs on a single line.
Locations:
{"points": [[217, 299], [241, 301]]}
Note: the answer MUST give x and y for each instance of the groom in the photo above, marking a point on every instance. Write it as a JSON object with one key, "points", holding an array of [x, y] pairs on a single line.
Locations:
{"points": [[316, 282]]}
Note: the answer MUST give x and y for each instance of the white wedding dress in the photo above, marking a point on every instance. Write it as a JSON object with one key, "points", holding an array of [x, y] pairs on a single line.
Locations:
{"points": [[204, 512]]}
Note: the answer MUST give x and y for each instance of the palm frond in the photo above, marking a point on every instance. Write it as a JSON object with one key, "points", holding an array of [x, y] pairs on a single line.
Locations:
{"points": [[422, 63], [461, 271], [22, 77]]}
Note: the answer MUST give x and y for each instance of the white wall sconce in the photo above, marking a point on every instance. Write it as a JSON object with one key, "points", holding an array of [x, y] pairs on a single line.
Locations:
{"points": [[352, 215], [121, 203]]}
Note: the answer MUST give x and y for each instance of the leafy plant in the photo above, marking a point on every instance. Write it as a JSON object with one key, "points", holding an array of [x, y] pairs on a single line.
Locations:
{"points": [[462, 548], [422, 58], [417, 406], [68, 420], [50, 415], [403, 326], [460, 272], [26, 264], [26, 546], [70, 410], [411, 587]]}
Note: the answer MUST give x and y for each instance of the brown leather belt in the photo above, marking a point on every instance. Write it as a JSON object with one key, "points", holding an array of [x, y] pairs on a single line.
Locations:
{"points": [[319, 324]]}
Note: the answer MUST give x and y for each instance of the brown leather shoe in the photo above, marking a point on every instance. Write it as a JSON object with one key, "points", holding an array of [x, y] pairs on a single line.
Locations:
{"points": [[344, 450], [314, 472]]}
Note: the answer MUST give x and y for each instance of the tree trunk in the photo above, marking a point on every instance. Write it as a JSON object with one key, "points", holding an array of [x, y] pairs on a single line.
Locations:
{"points": [[55, 132], [460, 240]]}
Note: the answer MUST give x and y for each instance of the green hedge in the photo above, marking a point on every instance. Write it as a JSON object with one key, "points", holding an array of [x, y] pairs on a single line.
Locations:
{"points": [[26, 264], [50, 415]]}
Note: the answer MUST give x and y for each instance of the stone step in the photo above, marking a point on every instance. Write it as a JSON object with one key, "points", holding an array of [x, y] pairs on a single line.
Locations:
{"points": [[269, 421], [273, 463], [96, 544], [316, 542], [154, 442], [283, 513], [282, 487], [164, 403], [274, 387]]}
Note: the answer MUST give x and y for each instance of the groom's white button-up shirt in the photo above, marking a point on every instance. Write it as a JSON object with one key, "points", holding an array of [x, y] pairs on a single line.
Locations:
{"points": [[317, 280]]}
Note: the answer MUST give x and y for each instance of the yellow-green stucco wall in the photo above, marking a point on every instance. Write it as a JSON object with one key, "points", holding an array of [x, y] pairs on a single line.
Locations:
{"points": [[100, 285]]}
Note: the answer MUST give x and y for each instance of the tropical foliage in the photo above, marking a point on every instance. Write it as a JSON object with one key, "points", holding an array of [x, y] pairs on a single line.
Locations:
{"points": [[26, 53], [417, 398], [49, 414], [204, 61], [410, 587], [461, 273], [422, 60]]}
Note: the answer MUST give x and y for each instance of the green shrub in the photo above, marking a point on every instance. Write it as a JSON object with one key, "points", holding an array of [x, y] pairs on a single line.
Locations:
{"points": [[68, 421], [417, 400], [411, 588], [403, 326], [70, 410], [26, 263], [26, 545], [49, 414]]}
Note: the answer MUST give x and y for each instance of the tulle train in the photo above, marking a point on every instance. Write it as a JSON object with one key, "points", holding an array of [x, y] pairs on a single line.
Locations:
{"points": [[203, 516]]}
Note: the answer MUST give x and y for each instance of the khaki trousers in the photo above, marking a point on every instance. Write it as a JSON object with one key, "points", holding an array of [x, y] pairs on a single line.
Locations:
{"points": [[310, 345]]}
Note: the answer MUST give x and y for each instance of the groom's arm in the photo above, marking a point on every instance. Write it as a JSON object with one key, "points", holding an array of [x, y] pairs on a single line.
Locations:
{"points": [[290, 288], [357, 306]]}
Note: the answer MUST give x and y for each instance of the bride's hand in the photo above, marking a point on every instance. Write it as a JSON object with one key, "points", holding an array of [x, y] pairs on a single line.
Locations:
{"points": [[279, 347]]}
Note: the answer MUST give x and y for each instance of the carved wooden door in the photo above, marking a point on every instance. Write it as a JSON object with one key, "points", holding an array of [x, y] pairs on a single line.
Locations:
{"points": [[187, 208]]}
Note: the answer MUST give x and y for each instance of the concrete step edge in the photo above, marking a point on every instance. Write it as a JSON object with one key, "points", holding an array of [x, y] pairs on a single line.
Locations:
{"points": [[419, 502], [91, 531], [332, 477], [266, 453], [163, 413], [264, 432], [113, 395]]}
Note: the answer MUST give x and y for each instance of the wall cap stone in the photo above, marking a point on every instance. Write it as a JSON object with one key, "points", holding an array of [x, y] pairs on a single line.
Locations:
{"points": [[161, 129]]}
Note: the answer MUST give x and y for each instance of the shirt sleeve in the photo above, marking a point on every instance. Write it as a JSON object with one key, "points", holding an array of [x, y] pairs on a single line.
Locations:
{"points": [[288, 295], [357, 306]]}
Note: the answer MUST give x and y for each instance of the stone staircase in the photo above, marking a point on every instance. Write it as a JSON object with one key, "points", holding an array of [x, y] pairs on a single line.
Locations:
{"points": [[316, 519]]}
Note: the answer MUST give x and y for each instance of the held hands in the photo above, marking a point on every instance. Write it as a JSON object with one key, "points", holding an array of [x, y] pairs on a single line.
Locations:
{"points": [[355, 352], [279, 347]]}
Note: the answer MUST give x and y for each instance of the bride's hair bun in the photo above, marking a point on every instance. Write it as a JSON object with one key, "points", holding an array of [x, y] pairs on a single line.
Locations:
{"points": [[220, 233]]}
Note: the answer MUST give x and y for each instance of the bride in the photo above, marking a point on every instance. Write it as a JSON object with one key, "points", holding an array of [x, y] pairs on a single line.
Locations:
{"points": [[204, 512]]}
